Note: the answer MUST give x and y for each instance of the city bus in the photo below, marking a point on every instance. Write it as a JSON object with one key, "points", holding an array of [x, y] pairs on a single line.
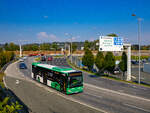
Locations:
{"points": [[63, 79]]}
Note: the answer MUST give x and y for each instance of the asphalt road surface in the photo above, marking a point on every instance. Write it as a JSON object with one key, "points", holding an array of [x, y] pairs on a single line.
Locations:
{"points": [[104, 94], [145, 77]]}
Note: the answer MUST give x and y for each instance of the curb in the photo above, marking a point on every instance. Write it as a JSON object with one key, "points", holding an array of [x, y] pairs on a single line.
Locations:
{"points": [[5, 83]]}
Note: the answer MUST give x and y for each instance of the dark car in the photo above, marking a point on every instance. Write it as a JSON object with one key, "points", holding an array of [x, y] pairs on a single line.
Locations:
{"points": [[134, 62], [43, 58], [22, 66], [49, 58]]}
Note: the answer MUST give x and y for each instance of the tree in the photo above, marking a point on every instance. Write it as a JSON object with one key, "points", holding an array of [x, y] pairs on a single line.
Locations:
{"points": [[1, 49], [109, 62], [35, 47], [88, 59], [74, 47], [11, 47], [135, 47], [99, 61], [112, 35], [96, 42], [6, 47], [45, 46], [87, 45], [55, 46], [123, 63]]}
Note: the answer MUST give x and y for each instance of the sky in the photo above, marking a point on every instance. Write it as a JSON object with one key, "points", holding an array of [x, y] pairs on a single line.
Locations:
{"points": [[38, 21]]}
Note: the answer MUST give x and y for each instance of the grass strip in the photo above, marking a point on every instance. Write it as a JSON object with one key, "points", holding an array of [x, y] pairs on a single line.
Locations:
{"points": [[1, 79]]}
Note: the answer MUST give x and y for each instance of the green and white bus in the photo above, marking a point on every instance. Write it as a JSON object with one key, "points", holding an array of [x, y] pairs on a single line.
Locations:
{"points": [[62, 79]]}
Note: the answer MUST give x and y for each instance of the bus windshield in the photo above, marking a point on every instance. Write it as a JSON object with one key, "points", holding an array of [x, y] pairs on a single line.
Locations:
{"points": [[75, 81]]}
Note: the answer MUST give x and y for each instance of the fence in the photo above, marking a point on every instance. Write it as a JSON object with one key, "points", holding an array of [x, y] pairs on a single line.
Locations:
{"points": [[5, 66]]}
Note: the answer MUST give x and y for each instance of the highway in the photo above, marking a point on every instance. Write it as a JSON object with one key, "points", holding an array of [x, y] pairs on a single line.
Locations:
{"points": [[107, 95]]}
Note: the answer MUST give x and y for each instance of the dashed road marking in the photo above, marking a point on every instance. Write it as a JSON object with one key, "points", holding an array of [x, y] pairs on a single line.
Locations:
{"points": [[132, 106], [94, 95]]}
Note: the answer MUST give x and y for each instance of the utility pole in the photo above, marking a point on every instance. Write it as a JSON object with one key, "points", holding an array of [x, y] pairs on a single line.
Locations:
{"points": [[139, 42], [20, 49], [71, 49]]}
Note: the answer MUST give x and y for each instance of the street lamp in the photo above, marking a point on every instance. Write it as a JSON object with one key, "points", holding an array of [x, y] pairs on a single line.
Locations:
{"points": [[139, 40], [70, 45]]}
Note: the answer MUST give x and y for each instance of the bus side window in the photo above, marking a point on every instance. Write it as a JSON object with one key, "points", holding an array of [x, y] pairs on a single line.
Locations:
{"points": [[40, 74], [50, 75]]}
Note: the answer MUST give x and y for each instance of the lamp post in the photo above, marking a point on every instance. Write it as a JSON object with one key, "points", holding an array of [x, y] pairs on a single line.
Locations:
{"points": [[70, 45], [139, 42]]}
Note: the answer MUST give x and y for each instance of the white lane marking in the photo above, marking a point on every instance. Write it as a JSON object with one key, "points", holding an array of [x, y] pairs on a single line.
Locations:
{"points": [[135, 86], [94, 95], [119, 93], [17, 81], [132, 106]]}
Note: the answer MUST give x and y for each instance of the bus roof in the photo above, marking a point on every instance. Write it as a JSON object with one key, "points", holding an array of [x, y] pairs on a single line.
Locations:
{"points": [[55, 68]]}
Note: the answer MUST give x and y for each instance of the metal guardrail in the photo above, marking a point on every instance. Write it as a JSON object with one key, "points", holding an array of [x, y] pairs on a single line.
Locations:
{"points": [[5, 66]]}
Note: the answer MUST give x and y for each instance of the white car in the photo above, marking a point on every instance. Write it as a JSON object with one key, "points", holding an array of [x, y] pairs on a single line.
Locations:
{"points": [[21, 60], [24, 57]]}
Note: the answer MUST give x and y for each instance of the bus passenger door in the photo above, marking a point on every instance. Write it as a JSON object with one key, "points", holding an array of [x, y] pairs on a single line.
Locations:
{"points": [[34, 74], [45, 78], [64, 84]]}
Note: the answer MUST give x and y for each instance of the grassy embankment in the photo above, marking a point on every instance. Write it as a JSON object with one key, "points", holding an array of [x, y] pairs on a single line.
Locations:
{"points": [[6, 103], [133, 57], [1, 79]]}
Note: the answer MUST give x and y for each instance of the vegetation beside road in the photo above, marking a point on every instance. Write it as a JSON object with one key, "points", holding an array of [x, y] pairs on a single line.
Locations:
{"points": [[106, 76], [133, 57], [6, 103], [5, 57], [37, 59], [1, 80]]}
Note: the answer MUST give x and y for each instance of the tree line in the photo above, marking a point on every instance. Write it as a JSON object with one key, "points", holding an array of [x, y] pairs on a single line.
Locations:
{"points": [[5, 57], [104, 63], [55, 46]]}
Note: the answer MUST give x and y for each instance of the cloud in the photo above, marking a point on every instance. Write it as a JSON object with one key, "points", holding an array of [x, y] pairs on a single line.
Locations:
{"points": [[44, 36], [91, 39], [53, 37], [45, 16]]}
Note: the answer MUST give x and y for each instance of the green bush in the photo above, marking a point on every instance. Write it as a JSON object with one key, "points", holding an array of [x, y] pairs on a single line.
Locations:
{"points": [[109, 62], [88, 59], [5, 57], [9, 107]]}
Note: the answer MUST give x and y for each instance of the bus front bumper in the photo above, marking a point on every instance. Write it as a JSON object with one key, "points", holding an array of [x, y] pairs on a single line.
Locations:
{"points": [[74, 90]]}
